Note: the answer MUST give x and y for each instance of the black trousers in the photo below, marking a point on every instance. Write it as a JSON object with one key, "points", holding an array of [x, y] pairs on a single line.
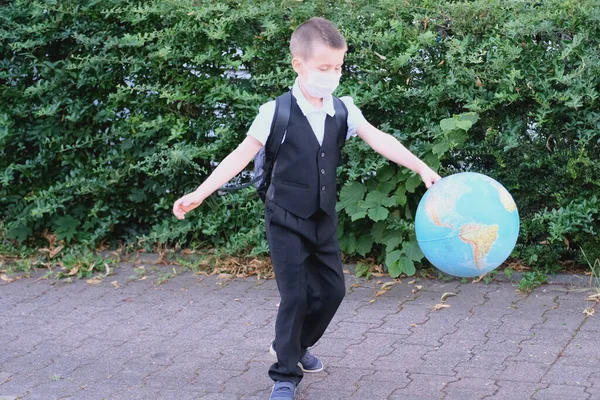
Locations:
{"points": [[308, 270]]}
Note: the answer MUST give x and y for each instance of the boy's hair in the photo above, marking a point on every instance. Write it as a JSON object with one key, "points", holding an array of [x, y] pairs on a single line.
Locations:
{"points": [[312, 30]]}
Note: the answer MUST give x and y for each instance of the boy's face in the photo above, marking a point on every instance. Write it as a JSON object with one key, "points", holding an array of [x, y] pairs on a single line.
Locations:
{"points": [[324, 59]]}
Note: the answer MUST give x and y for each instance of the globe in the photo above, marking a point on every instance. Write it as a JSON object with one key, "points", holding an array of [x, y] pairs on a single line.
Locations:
{"points": [[467, 224]]}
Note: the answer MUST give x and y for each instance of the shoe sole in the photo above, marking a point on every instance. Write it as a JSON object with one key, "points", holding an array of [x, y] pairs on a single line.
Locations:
{"points": [[310, 371]]}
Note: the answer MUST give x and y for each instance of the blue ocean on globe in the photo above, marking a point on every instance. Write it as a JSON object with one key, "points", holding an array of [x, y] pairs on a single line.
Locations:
{"points": [[467, 224]]}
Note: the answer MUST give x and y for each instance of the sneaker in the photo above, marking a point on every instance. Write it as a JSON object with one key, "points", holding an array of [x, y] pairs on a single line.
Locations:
{"points": [[283, 391], [308, 363]]}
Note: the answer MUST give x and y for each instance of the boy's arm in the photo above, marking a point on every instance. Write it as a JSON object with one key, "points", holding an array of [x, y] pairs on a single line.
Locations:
{"points": [[389, 147], [231, 165]]}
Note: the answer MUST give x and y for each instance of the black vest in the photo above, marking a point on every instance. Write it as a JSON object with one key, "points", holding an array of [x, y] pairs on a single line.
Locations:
{"points": [[304, 174]]}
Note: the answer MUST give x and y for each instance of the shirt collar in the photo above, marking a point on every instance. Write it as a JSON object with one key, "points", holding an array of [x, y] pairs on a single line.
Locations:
{"points": [[308, 108]]}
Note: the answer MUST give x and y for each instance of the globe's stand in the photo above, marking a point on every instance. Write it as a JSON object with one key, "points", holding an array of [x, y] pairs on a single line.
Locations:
{"points": [[467, 224]]}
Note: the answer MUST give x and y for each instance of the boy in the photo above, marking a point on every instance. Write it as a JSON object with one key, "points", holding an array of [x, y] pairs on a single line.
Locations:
{"points": [[300, 216]]}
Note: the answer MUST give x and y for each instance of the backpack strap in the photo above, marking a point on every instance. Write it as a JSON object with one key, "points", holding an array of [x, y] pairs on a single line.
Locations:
{"points": [[281, 118], [341, 119]]}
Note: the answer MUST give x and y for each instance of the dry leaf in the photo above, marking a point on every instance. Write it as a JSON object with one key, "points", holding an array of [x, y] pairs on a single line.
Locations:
{"points": [[74, 271], [347, 272], [594, 297], [95, 280], [55, 251], [380, 56], [447, 294], [440, 306], [115, 284], [589, 312], [224, 276], [384, 288], [107, 269], [477, 280], [4, 277], [413, 325], [412, 282]]}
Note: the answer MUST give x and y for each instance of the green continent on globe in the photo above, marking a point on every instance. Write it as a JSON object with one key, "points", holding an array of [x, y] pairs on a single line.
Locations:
{"points": [[480, 237]]}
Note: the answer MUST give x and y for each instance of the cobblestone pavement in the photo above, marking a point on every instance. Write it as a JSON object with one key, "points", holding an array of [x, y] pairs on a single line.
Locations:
{"points": [[199, 337]]}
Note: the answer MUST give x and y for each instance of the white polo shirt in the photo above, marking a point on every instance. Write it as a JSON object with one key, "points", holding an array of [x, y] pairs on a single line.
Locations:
{"points": [[261, 127]]}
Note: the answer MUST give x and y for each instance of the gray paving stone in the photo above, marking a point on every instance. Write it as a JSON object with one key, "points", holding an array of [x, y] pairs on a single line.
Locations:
{"points": [[561, 374], [362, 355], [549, 337], [524, 371], [561, 392], [343, 379], [197, 337], [375, 390], [252, 380], [403, 358], [511, 390], [423, 386], [542, 354]]}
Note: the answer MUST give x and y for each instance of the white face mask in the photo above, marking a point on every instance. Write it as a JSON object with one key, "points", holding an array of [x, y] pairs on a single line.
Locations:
{"points": [[320, 84]]}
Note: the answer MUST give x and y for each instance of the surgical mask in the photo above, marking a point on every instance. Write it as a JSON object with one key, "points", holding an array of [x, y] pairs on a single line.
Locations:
{"points": [[320, 84]]}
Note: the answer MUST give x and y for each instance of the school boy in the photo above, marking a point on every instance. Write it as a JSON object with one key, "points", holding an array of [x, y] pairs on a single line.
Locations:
{"points": [[300, 216]]}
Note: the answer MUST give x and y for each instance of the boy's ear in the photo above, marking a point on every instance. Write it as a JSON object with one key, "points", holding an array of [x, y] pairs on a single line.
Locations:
{"points": [[296, 65]]}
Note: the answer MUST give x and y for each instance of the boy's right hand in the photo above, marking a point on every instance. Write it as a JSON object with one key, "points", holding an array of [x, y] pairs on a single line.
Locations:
{"points": [[186, 204]]}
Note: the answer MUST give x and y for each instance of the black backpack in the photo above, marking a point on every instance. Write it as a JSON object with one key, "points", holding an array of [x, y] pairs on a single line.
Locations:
{"points": [[266, 156]]}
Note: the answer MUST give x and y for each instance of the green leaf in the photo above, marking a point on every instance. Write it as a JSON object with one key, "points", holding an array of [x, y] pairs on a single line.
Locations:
{"points": [[361, 269], [357, 214], [340, 230], [357, 210], [412, 250], [386, 173], [364, 245], [470, 116], [392, 240], [394, 269], [377, 231], [448, 124], [351, 194], [401, 195], [378, 213], [457, 137], [412, 183], [392, 257], [440, 148], [407, 266], [376, 198], [66, 227], [464, 125], [348, 243], [19, 232], [137, 195], [386, 187]]}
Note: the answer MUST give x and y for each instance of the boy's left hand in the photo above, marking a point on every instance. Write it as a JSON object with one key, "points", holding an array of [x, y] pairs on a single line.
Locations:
{"points": [[429, 176]]}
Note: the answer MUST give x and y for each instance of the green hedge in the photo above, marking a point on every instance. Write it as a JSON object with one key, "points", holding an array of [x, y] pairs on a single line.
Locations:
{"points": [[110, 110]]}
